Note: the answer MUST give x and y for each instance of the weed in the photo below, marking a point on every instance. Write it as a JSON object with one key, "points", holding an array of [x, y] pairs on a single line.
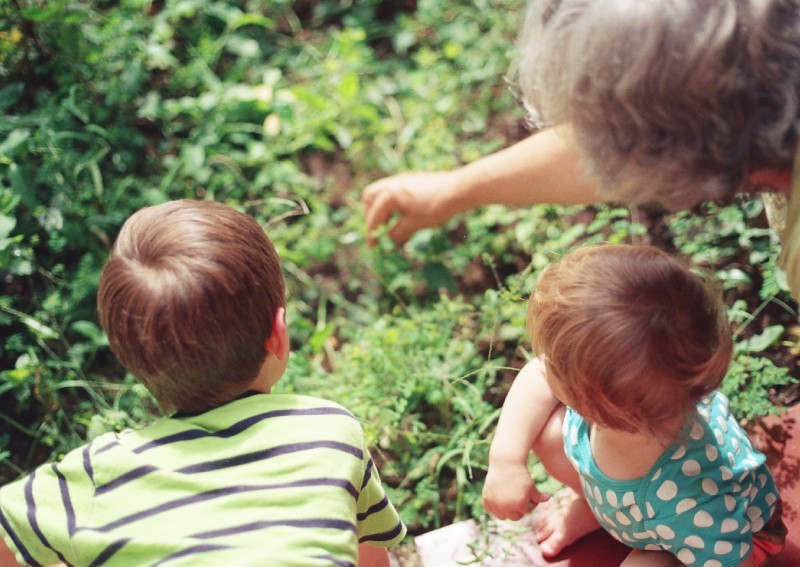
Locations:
{"points": [[285, 110]]}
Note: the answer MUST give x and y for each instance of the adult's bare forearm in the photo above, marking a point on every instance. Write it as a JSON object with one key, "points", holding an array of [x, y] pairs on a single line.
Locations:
{"points": [[544, 168]]}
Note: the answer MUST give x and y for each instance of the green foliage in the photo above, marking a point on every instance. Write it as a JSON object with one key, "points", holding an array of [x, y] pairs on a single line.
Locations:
{"points": [[285, 110], [727, 239], [750, 382], [419, 383]]}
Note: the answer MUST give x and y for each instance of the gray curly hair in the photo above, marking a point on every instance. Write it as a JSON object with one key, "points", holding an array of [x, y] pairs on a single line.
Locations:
{"points": [[672, 101]]}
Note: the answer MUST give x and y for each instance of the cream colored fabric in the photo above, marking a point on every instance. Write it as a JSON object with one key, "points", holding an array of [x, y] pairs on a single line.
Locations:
{"points": [[790, 235], [776, 205]]}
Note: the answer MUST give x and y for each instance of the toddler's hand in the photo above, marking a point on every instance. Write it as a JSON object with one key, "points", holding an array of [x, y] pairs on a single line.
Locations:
{"points": [[509, 492]]}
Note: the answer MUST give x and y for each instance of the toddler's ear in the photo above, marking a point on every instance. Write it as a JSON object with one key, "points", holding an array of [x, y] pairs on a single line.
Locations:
{"points": [[278, 342]]}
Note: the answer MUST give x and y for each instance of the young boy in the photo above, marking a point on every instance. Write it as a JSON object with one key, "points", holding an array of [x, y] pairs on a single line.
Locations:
{"points": [[621, 406], [192, 300]]}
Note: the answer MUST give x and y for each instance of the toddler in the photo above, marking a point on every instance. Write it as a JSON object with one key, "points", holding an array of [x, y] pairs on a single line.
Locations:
{"points": [[622, 406]]}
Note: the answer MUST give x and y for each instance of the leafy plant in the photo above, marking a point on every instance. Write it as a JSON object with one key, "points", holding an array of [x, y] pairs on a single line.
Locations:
{"points": [[750, 382], [418, 382], [285, 110]]}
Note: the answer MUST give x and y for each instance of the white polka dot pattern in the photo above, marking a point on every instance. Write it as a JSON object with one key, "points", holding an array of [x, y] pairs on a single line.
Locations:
{"points": [[703, 499], [667, 491], [690, 468]]}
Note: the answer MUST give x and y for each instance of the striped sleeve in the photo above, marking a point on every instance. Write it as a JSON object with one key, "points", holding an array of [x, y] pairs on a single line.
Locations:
{"points": [[46, 502], [377, 520]]}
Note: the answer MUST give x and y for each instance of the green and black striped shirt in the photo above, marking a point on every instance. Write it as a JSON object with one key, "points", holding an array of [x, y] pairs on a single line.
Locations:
{"points": [[270, 479]]}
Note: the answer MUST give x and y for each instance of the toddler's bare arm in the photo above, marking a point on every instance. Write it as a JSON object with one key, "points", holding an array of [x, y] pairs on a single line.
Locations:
{"points": [[509, 491]]}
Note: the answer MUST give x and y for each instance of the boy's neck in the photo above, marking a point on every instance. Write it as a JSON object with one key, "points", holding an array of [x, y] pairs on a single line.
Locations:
{"points": [[262, 384], [271, 371], [184, 414]]}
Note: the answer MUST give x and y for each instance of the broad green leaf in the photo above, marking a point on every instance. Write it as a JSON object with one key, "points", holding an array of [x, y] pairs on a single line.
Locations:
{"points": [[762, 341], [39, 328], [14, 139], [7, 224], [43, 13]]}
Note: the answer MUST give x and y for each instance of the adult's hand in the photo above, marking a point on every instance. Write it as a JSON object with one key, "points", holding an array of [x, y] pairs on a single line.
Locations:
{"points": [[543, 168], [419, 199]]}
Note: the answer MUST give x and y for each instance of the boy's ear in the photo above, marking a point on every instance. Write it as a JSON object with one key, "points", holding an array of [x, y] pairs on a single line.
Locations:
{"points": [[278, 342]]}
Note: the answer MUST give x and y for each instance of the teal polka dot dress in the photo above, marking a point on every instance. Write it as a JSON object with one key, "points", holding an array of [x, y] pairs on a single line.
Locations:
{"points": [[702, 501]]}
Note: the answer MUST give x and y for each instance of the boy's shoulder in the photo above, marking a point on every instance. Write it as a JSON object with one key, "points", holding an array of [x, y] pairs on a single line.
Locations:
{"points": [[301, 400], [250, 411], [281, 404], [242, 418], [258, 419]]}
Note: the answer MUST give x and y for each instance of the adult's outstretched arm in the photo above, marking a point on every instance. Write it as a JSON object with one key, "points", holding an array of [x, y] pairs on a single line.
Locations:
{"points": [[546, 167]]}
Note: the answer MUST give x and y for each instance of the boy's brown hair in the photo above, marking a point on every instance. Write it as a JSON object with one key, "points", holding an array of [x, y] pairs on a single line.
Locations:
{"points": [[631, 337], [188, 299]]}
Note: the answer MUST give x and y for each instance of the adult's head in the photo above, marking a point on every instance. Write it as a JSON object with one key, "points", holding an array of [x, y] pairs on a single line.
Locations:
{"points": [[672, 101], [188, 299]]}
